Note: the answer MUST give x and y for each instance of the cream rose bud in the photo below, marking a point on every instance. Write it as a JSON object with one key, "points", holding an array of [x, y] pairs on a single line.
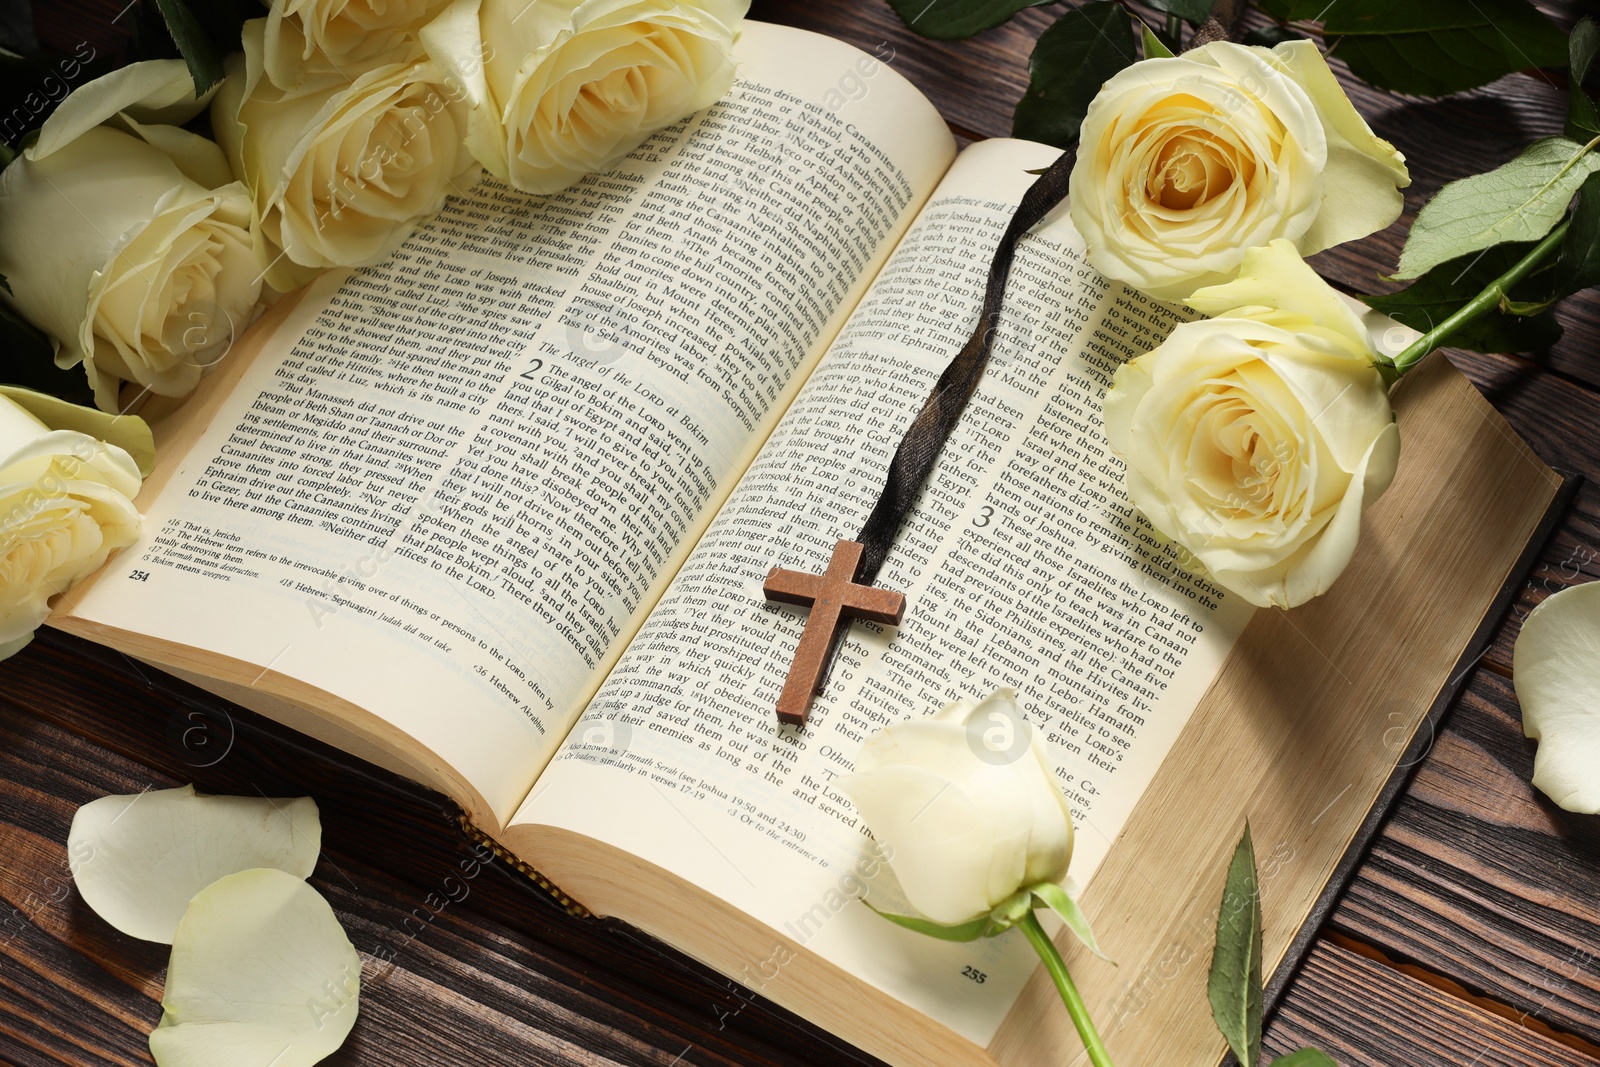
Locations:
{"points": [[1256, 439], [129, 246], [564, 88], [341, 170], [967, 804], [1184, 163], [307, 35], [66, 503]]}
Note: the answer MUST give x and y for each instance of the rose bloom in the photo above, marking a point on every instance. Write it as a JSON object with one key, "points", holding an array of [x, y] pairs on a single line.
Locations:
{"points": [[306, 35], [1256, 439], [129, 246], [66, 503], [341, 171], [968, 809], [1185, 163], [563, 88]]}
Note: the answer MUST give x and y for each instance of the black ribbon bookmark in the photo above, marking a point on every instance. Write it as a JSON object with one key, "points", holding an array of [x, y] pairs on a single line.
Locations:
{"points": [[919, 449], [843, 594]]}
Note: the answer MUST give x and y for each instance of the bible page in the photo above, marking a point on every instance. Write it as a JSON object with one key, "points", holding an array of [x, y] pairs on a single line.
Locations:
{"points": [[452, 484], [1023, 566]]}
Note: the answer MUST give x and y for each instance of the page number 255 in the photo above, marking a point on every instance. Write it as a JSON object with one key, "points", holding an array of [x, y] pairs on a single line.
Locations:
{"points": [[974, 974]]}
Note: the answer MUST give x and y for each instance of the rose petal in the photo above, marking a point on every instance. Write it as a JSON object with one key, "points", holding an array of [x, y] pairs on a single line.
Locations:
{"points": [[138, 860], [1556, 672], [128, 432], [1275, 276], [940, 842], [261, 973], [1361, 185], [155, 91]]}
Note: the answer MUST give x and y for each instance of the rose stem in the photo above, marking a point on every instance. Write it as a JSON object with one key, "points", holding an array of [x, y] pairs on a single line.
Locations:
{"points": [[1069, 993], [1483, 303]]}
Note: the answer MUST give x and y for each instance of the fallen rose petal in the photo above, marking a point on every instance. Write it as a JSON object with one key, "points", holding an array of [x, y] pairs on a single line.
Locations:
{"points": [[1556, 672], [138, 860], [261, 973]]}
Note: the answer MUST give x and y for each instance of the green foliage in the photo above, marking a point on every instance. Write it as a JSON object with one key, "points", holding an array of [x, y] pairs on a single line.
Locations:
{"points": [[1306, 1057], [1578, 266], [194, 44], [1583, 118], [1520, 201], [1270, 36], [1154, 48], [28, 359], [1234, 986], [1432, 47], [1054, 897], [1072, 60], [949, 20], [1447, 288], [1196, 11], [1235, 983]]}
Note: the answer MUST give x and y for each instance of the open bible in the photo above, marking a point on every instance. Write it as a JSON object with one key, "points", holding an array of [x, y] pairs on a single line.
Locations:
{"points": [[496, 514]]}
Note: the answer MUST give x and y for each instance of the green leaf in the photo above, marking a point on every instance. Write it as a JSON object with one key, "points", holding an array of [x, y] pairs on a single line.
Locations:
{"points": [[1070, 63], [1295, 10], [1306, 1057], [1196, 11], [1235, 983], [1153, 47], [1052, 896], [1583, 118], [1578, 266], [28, 358], [949, 20], [1520, 201], [1270, 36], [967, 931], [194, 43], [128, 432], [1432, 47], [1445, 289]]}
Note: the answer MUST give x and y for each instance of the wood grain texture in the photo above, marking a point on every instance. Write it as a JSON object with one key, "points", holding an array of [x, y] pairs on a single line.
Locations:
{"points": [[1479, 878], [464, 960], [1406, 1022], [1476, 881]]}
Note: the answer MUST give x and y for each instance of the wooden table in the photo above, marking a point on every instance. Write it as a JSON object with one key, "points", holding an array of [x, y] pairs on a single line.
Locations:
{"points": [[1470, 934]]}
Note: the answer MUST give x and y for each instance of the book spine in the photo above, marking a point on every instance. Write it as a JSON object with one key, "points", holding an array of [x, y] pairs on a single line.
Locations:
{"points": [[512, 860]]}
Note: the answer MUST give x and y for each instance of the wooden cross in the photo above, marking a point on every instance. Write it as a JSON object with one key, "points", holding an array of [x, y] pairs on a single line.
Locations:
{"points": [[834, 599]]}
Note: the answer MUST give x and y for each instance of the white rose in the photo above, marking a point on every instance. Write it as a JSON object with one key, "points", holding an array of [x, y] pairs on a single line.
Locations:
{"points": [[341, 171], [129, 246], [564, 88], [1255, 440], [306, 35], [66, 503], [1185, 163], [967, 805]]}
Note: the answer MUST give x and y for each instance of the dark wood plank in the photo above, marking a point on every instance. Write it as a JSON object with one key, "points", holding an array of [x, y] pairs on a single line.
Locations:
{"points": [[1404, 1021], [485, 966], [1479, 878]]}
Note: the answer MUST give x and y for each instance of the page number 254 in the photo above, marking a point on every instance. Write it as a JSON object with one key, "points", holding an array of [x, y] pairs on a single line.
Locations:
{"points": [[138, 576]]}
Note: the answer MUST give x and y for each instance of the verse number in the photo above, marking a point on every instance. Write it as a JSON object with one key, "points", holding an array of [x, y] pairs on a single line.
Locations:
{"points": [[974, 974], [138, 576], [984, 517]]}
